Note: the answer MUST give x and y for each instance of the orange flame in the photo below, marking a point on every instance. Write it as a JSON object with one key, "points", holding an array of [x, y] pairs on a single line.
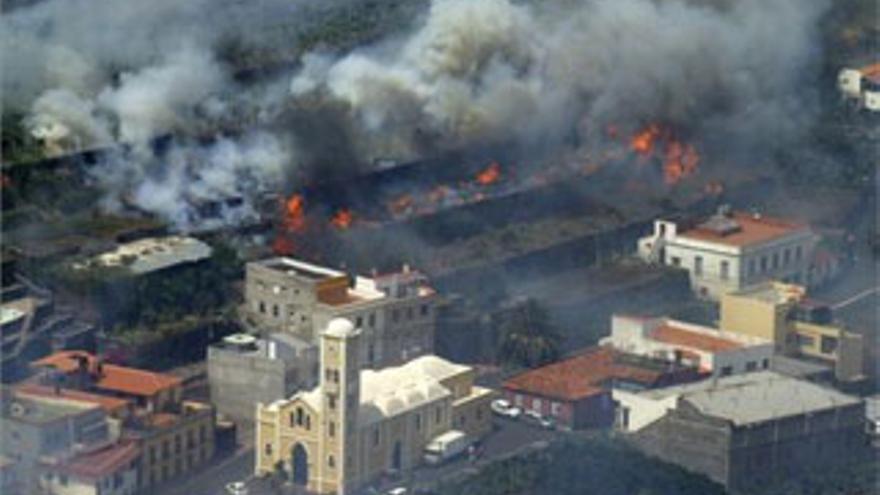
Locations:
{"points": [[681, 161], [342, 219], [490, 175], [294, 214], [643, 142]]}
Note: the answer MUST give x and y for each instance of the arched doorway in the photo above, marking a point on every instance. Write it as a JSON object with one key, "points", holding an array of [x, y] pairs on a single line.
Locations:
{"points": [[300, 465], [396, 455]]}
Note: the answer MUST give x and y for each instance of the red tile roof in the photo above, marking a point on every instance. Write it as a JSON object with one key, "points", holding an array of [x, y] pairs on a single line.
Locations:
{"points": [[113, 377], [752, 230], [102, 462], [871, 72], [109, 404], [670, 334], [580, 376]]}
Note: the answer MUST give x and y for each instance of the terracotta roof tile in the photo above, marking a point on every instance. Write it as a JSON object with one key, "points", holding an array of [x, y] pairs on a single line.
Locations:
{"points": [[671, 334], [580, 376], [113, 377], [109, 404], [752, 230], [101, 462]]}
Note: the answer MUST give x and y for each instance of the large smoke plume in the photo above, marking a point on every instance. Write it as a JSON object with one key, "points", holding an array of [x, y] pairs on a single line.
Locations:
{"points": [[734, 75], [496, 70]]}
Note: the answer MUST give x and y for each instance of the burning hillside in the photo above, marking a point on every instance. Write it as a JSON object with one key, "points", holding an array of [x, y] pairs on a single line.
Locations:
{"points": [[543, 79]]}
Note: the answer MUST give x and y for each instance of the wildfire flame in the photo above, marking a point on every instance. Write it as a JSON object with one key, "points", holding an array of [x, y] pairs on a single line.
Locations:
{"points": [[294, 214], [293, 221], [490, 175], [644, 141], [342, 219], [679, 159]]}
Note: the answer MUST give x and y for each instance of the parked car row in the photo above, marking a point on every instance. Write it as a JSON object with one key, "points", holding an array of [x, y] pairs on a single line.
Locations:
{"points": [[505, 409]]}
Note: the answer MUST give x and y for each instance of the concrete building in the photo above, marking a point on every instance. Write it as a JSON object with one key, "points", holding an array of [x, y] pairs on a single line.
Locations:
{"points": [[395, 311], [712, 351], [576, 391], [34, 429], [733, 250], [105, 470], [244, 370], [174, 436], [150, 255], [861, 87], [782, 314], [360, 423], [745, 431]]}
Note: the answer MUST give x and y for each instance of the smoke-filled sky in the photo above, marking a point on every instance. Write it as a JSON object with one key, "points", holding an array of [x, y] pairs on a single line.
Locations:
{"points": [[732, 75]]}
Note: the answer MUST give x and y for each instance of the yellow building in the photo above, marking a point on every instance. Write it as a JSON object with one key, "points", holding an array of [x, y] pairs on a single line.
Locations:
{"points": [[771, 311], [359, 423]]}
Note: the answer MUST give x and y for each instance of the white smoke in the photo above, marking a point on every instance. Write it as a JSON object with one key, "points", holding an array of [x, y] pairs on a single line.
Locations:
{"points": [[160, 99], [476, 72], [177, 183]]}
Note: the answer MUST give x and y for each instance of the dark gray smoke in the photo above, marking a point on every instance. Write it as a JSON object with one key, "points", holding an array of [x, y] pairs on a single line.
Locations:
{"points": [[469, 74], [496, 70]]}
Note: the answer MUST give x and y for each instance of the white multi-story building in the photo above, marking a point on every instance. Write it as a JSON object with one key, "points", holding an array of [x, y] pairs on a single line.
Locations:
{"points": [[731, 250], [712, 351], [861, 86], [396, 311]]}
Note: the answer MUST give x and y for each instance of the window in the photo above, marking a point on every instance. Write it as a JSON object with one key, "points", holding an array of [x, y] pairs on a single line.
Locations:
{"points": [[166, 449], [331, 401], [798, 253], [438, 415], [331, 429], [376, 436], [751, 267], [331, 461], [153, 454], [775, 264], [751, 366], [675, 260], [371, 353], [765, 363], [418, 422], [698, 266], [536, 405], [763, 264], [410, 313], [555, 407], [275, 310], [725, 270], [828, 345], [371, 320], [177, 444], [203, 433], [726, 371], [424, 310], [268, 449], [359, 322], [518, 400], [299, 416], [786, 257], [395, 315], [262, 307]]}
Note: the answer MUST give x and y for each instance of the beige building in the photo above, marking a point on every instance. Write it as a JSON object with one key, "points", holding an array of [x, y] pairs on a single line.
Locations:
{"points": [[775, 311], [358, 424], [732, 250], [396, 311], [710, 350]]}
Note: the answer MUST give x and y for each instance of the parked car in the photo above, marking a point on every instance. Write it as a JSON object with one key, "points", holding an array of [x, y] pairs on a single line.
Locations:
{"points": [[236, 488], [538, 419], [504, 408], [400, 490]]}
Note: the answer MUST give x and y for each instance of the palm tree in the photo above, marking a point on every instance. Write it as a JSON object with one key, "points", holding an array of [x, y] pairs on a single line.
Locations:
{"points": [[527, 335]]}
